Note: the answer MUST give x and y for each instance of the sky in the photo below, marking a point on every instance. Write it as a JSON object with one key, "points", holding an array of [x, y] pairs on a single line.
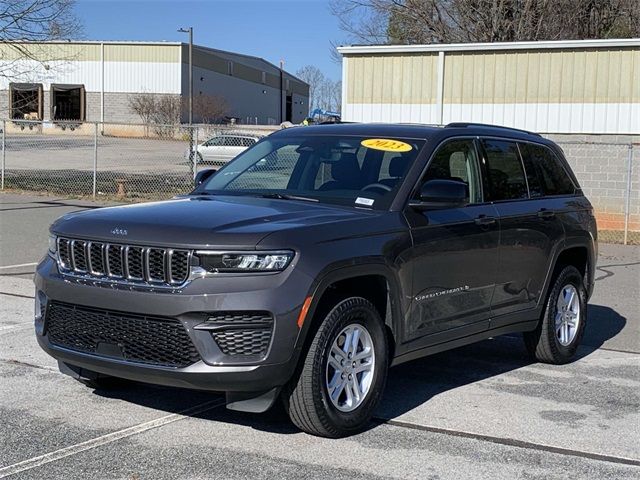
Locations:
{"points": [[298, 31]]}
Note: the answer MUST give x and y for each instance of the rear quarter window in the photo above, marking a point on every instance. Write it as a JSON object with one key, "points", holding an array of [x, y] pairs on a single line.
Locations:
{"points": [[545, 173]]}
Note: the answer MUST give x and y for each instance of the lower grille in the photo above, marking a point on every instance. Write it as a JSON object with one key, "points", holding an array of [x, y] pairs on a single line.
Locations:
{"points": [[136, 338], [246, 334]]}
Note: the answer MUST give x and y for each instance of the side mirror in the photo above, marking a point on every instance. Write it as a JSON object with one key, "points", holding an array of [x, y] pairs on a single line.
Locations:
{"points": [[203, 175], [441, 194]]}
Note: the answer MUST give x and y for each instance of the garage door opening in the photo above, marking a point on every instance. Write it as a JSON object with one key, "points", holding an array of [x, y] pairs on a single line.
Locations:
{"points": [[67, 102], [25, 101]]}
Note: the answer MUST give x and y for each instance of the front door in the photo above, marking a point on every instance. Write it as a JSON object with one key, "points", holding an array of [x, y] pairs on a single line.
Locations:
{"points": [[454, 254]]}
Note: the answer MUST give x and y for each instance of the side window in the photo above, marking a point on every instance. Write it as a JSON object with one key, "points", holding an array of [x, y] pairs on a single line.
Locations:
{"points": [[504, 169], [457, 160], [552, 177]]}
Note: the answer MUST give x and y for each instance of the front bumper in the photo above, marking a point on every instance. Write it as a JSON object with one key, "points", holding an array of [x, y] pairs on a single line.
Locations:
{"points": [[280, 294]]}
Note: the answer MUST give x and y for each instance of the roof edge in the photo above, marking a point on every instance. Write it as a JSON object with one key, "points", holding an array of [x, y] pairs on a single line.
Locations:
{"points": [[469, 47]]}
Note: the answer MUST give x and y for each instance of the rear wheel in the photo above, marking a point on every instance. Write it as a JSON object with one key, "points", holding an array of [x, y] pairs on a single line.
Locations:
{"points": [[557, 337], [343, 373]]}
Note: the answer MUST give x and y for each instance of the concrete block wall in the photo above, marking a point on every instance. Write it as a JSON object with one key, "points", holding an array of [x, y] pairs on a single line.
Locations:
{"points": [[600, 162]]}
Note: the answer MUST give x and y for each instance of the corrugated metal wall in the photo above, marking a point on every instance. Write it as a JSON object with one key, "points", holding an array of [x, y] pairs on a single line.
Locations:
{"points": [[551, 91], [128, 68]]}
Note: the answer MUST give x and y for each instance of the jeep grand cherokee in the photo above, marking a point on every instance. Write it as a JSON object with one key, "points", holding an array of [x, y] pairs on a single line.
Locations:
{"points": [[320, 257]]}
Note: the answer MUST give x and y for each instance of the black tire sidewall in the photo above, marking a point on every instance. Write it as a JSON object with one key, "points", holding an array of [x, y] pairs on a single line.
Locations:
{"points": [[352, 311], [569, 275]]}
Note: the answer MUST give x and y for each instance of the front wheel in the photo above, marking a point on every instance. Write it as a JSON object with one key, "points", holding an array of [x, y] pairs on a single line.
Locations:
{"points": [[560, 331], [343, 373]]}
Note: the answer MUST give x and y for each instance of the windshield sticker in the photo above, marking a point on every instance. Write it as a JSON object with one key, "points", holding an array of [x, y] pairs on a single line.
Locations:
{"points": [[364, 201], [386, 145]]}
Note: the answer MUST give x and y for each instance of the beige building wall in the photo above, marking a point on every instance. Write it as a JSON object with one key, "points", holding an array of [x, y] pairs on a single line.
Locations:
{"points": [[556, 89]]}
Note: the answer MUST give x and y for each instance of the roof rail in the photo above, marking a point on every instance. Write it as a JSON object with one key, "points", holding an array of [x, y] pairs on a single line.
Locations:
{"points": [[486, 125]]}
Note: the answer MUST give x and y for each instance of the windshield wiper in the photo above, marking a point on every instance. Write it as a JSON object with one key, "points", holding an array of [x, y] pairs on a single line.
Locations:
{"points": [[285, 196]]}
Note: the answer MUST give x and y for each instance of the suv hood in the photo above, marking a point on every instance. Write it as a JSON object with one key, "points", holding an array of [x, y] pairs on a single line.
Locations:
{"points": [[198, 221]]}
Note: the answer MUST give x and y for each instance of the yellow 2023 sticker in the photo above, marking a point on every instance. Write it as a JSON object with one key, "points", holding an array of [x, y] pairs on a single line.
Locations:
{"points": [[386, 145]]}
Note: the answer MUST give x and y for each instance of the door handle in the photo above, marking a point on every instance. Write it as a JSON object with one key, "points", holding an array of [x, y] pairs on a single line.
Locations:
{"points": [[485, 220], [546, 214]]}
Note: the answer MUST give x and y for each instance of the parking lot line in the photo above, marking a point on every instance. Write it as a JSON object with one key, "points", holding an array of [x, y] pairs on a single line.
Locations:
{"points": [[40, 460], [7, 267], [510, 442]]}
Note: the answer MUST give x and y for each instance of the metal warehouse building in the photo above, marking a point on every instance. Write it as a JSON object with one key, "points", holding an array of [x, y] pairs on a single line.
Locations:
{"points": [[585, 87], [94, 81]]}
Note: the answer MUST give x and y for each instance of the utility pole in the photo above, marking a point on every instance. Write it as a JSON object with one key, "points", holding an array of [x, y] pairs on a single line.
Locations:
{"points": [[190, 32], [281, 89]]}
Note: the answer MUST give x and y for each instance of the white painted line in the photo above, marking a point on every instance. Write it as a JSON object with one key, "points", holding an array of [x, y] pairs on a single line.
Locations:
{"points": [[105, 439], [19, 265]]}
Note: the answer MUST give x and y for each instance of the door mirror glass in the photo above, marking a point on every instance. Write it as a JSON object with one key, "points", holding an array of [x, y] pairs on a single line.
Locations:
{"points": [[441, 194], [204, 175]]}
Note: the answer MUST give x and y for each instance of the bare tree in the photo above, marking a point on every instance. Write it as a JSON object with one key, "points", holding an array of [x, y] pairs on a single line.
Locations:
{"points": [[314, 77], [161, 111], [25, 21], [210, 108], [450, 21], [324, 93]]}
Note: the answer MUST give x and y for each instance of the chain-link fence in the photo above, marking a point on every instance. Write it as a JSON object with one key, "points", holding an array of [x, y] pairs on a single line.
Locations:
{"points": [[122, 161], [610, 177], [144, 162]]}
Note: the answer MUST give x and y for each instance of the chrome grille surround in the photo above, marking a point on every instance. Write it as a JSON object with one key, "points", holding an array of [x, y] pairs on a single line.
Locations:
{"points": [[155, 267]]}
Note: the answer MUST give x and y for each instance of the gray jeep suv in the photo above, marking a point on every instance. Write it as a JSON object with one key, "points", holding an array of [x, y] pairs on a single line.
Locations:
{"points": [[320, 257]]}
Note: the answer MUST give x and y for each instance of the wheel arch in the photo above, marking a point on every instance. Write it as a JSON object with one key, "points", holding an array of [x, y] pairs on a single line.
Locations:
{"points": [[578, 252], [374, 282]]}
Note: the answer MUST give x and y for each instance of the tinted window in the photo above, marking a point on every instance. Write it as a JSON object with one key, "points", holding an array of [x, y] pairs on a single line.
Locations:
{"points": [[546, 171], [504, 169], [247, 142], [457, 160]]}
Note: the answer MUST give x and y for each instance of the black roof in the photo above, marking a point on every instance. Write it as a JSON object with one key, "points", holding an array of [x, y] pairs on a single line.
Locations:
{"points": [[410, 130]]}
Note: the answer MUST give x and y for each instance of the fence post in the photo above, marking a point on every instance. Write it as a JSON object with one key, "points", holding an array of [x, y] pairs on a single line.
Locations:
{"points": [[195, 149], [627, 200], [95, 159], [4, 129]]}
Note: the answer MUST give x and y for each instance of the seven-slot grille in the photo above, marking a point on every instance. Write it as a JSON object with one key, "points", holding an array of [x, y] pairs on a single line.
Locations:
{"points": [[124, 262], [137, 338]]}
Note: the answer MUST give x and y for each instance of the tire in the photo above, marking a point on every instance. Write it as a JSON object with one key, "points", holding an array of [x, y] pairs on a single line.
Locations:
{"points": [[306, 397], [551, 342]]}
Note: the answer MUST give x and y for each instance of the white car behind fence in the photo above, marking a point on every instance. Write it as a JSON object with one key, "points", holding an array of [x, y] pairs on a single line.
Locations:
{"points": [[220, 149]]}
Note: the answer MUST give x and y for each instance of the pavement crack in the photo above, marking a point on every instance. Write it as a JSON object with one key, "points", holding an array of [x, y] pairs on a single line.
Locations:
{"points": [[511, 442], [16, 295]]}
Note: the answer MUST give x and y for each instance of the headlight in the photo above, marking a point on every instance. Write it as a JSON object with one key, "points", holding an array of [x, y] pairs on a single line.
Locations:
{"points": [[53, 246], [225, 262]]}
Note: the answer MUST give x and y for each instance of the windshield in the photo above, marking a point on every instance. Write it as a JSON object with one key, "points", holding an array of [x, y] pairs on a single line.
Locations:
{"points": [[343, 170]]}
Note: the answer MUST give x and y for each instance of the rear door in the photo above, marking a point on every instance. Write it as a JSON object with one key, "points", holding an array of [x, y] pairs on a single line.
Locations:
{"points": [[454, 255], [529, 228]]}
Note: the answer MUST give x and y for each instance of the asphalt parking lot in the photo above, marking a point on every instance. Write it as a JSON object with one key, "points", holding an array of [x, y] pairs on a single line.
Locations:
{"points": [[482, 411]]}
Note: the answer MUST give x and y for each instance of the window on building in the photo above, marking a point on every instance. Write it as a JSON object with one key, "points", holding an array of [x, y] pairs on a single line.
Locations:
{"points": [[67, 102], [25, 101], [545, 173], [504, 168]]}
